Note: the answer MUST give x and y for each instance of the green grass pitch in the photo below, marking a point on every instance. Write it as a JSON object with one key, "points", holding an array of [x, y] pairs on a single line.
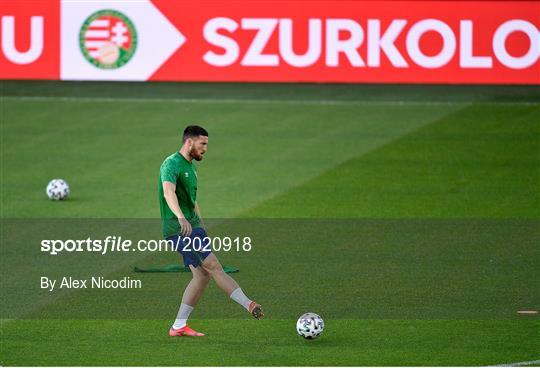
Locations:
{"points": [[407, 216]]}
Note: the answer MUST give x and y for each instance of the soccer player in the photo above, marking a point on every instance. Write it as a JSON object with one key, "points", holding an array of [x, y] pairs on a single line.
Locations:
{"points": [[182, 220]]}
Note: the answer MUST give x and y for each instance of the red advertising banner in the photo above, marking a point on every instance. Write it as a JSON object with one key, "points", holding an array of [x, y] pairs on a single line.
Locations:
{"points": [[29, 39], [457, 42]]}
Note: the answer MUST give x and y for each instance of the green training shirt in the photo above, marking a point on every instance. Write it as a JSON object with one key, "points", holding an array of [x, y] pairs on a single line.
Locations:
{"points": [[176, 169]]}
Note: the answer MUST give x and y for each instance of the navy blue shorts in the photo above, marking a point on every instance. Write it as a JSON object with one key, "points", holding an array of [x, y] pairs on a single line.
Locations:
{"points": [[193, 248]]}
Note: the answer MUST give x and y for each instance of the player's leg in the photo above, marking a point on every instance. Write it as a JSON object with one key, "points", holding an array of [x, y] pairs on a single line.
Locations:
{"points": [[192, 294], [193, 290], [196, 286], [230, 286], [223, 281], [190, 298]]}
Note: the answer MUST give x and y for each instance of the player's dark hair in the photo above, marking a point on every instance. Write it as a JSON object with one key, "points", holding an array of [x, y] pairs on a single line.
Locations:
{"points": [[194, 131]]}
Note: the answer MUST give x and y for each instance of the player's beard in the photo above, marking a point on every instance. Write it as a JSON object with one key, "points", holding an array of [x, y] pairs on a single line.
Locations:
{"points": [[195, 155]]}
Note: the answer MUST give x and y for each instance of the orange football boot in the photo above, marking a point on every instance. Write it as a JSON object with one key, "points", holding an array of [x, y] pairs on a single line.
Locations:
{"points": [[256, 310], [184, 331]]}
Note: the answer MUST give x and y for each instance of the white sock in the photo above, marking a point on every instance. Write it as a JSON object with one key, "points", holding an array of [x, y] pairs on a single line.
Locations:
{"points": [[182, 316], [238, 296]]}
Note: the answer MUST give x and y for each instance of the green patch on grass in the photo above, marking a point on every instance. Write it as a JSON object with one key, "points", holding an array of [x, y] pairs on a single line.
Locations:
{"points": [[273, 342], [480, 162], [419, 247]]}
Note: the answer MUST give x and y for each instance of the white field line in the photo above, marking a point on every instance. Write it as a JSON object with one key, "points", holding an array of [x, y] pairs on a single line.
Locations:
{"points": [[254, 101], [519, 364]]}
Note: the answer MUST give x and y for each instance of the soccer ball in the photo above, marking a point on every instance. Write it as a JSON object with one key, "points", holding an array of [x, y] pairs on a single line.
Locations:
{"points": [[57, 190], [310, 326]]}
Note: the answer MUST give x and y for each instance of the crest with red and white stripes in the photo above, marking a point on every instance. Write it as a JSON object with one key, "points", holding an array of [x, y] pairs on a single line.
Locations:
{"points": [[108, 39]]}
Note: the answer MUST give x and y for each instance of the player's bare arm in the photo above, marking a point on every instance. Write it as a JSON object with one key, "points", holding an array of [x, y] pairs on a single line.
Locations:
{"points": [[169, 192], [198, 212]]}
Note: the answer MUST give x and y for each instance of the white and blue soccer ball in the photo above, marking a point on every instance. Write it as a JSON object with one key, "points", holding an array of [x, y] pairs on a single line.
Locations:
{"points": [[57, 190], [310, 326]]}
